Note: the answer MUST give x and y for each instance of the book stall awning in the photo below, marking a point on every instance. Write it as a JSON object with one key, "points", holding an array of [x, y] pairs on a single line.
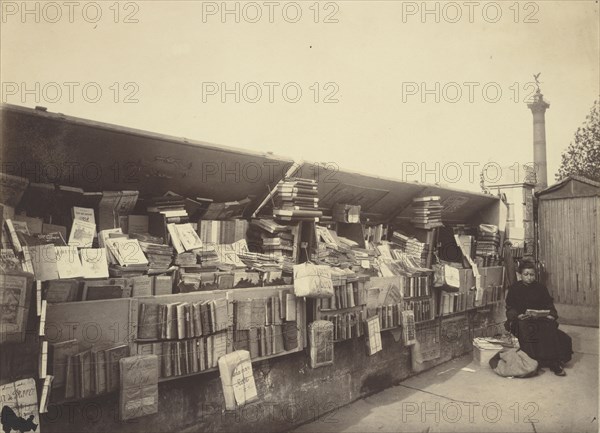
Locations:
{"points": [[386, 199], [55, 148]]}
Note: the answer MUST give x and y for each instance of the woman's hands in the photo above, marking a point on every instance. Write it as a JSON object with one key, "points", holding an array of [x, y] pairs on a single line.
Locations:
{"points": [[525, 316]]}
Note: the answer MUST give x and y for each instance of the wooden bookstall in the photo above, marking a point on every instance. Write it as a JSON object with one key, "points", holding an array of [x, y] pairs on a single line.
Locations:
{"points": [[99, 324]]}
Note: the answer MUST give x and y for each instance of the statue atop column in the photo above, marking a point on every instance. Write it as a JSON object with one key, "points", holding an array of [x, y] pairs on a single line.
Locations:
{"points": [[537, 81]]}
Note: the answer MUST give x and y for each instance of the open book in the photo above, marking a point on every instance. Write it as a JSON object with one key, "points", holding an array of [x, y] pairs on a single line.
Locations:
{"points": [[537, 313]]}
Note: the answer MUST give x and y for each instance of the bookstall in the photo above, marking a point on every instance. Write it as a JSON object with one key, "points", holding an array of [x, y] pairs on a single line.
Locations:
{"points": [[157, 282]]}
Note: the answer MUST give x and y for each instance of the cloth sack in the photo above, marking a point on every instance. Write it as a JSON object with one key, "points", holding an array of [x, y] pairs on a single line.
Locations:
{"points": [[313, 281], [513, 363]]}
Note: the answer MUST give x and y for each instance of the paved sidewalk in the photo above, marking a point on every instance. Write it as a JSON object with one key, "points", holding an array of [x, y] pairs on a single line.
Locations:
{"points": [[448, 399]]}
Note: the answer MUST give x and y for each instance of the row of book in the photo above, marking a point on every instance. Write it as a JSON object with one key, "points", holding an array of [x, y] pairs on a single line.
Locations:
{"points": [[180, 320], [376, 233], [183, 357], [179, 358], [222, 231], [85, 373], [257, 312], [456, 302], [390, 316], [415, 286], [346, 295], [492, 294], [422, 308], [267, 340], [346, 325]]}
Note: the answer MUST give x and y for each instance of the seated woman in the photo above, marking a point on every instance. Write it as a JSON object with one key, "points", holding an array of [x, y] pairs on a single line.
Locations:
{"points": [[539, 338]]}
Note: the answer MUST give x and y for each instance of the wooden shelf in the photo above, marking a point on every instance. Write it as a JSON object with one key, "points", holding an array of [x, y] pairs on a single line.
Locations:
{"points": [[339, 340], [213, 369], [342, 310], [420, 322], [116, 322], [69, 400]]}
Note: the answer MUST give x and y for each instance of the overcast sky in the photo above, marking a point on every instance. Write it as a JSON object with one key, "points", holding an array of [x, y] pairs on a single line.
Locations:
{"points": [[382, 83]]}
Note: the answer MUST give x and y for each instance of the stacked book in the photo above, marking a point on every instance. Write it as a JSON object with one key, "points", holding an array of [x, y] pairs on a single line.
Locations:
{"points": [[227, 210], [393, 262], [159, 256], [488, 241], [328, 248], [411, 246], [487, 343], [427, 212], [165, 210], [282, 250], [209, 259], [261, 262], [186, 259], [297, 199], [329, 251], [270, 244]]}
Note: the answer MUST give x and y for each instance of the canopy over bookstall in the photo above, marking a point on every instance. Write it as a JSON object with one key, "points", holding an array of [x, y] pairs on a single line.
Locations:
{"points": [[55, 148]]}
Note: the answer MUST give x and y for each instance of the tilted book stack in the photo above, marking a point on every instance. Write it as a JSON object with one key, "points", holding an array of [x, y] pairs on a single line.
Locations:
{"points": [[297, 199], [274, 241]]}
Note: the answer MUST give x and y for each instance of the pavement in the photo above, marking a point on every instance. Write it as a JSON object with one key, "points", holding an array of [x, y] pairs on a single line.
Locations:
{"points": [[463, 396]]}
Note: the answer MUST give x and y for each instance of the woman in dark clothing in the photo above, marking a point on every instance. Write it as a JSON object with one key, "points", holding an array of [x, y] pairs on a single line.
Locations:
{"points": [[540, 338]]}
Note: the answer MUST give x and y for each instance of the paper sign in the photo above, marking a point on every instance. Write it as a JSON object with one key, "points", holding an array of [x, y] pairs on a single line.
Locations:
{"points": [[20, 398], [452, 276], [244, 388]]}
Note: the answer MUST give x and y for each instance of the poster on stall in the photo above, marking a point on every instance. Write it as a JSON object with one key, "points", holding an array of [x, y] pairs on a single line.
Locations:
{"points": [[20, 406]]}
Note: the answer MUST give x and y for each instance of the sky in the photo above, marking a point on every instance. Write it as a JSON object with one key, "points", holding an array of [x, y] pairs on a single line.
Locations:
{"points": [[419, 91]]}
